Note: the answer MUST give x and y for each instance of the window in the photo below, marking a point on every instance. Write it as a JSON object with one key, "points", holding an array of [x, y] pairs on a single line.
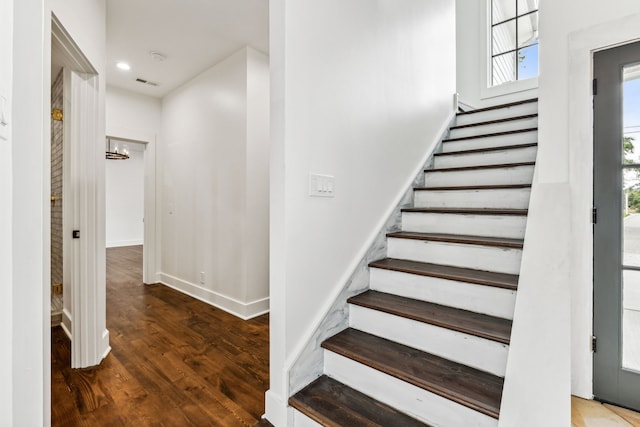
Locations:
{"points": [[514, 40]]}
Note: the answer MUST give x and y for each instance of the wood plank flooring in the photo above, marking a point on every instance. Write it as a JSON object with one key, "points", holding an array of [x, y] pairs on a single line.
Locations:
{"points": [[175, 361], [590, 413]]}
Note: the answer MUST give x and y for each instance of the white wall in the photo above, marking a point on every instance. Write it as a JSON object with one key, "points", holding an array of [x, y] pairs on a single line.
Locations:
{"points": [[213, 203], [6, 261], [360, 91], [30, 144], [472, 54], [131, 115], [125, 198]]}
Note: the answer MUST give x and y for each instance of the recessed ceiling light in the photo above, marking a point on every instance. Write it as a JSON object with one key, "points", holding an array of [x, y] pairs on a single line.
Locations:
{"points": [[123, 66]]}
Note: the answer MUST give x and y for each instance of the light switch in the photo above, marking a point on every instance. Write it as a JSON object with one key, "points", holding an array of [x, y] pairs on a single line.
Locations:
{"points": [[321, 185], [4, 119]]}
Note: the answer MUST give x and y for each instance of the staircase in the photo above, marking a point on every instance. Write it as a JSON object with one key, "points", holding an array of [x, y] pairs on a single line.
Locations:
{"points": [[427, 344]]}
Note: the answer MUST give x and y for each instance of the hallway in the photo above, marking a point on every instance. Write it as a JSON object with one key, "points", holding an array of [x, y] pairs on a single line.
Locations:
{"points": [[175, 361]]}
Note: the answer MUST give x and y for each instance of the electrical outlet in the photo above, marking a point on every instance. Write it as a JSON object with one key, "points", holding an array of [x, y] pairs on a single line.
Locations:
{"points": [[202, 277], [56, 289]]}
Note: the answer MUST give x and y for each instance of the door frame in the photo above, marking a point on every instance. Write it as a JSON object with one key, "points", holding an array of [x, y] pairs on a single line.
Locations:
{"points": [[84, 311], [581, 46], [612, 382], [149, 248]]}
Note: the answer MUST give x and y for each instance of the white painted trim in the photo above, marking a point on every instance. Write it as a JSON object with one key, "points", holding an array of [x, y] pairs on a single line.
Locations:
{"points": [[122, 243], [339, 286], [280, 414], [243, 310], [105, 344], [82, 193], [66, 323]]}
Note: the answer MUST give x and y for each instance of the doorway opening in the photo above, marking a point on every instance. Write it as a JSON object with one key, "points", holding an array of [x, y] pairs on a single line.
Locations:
{"points": [[125, 196]]}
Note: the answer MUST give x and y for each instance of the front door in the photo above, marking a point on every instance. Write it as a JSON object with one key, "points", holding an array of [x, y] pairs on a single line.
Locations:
{"points": [[617, 225]]}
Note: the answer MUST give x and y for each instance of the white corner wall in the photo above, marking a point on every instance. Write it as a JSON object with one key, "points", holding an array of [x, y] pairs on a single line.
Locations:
{"points": [[124, 189], [30, 145], [213, 192], [360, 91]]}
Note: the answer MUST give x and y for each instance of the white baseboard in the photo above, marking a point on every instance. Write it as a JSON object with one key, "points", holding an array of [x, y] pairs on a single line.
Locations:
{"points": [[120, 243], [66, 323], [277, 411], [105, 344], [243, 310]]}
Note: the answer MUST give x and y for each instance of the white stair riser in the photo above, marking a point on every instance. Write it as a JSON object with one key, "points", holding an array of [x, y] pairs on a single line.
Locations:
{"points": [[494, 128], [483, 299], [476, 257], [414, 401], [498, 157], [490, 141], [511, 198], [493, 176], [511, 226], [301, 420], [479, 353], [501, 113]]}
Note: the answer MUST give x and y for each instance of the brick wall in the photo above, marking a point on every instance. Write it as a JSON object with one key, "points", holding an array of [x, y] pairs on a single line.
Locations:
{"points": [[57, 129]]}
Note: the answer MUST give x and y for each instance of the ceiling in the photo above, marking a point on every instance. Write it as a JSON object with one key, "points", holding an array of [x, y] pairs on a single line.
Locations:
{"points": [[193, 35]]}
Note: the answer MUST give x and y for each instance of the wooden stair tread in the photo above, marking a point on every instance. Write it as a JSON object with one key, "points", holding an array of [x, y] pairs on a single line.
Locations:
{"points": [[481, 167], [474, 187], [483, 150], [497, 107], [332, 403], [456, 238], [468, 322], [469, 211], [470, 387], [467, 275], [496, 121], [486, 135]]}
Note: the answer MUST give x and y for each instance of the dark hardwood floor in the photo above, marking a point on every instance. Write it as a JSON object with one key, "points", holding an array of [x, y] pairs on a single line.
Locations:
{"points": [[175, 361]]}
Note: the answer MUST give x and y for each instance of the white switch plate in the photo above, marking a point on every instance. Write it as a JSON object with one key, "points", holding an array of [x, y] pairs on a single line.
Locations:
{"points": [[321, 185]]}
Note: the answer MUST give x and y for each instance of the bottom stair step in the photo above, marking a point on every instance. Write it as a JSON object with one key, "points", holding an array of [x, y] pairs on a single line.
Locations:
{"points": [[462, 384], [332, 403]]}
